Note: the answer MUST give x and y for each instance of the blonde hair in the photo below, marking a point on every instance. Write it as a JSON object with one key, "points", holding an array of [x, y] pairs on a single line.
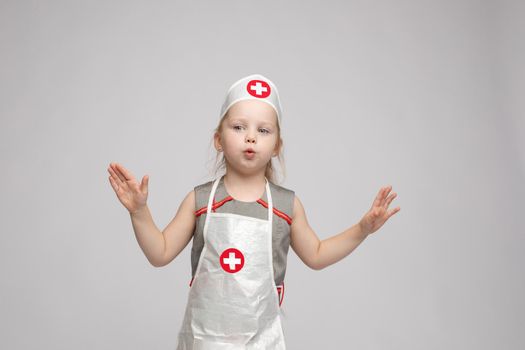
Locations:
{"points": [[270, 173]]}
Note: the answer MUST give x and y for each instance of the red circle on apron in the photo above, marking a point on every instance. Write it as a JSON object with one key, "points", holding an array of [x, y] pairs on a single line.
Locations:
{"points": [[232, 260], [258, 88]]}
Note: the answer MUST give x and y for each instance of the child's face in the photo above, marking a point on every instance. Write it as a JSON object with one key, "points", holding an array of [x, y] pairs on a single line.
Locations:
{"points": [[249, 124]]}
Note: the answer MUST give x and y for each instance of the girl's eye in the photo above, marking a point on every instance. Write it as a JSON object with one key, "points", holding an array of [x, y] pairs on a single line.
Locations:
{"points": [[239, 127]]}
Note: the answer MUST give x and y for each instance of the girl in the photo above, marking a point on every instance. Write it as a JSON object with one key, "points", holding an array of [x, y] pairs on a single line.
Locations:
{"points": [[242, 224]]}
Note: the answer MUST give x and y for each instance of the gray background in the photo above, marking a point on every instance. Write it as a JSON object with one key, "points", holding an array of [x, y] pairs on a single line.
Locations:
{"points": [[422, 95]]}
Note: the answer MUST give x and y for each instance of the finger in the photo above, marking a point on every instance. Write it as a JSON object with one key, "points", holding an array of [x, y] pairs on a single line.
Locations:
{"points": [[118, 170], [385, 194], [115, 176], [379, 198], [113, 184], [393, 212], [390, 199], [127, 174], [144, 184]]}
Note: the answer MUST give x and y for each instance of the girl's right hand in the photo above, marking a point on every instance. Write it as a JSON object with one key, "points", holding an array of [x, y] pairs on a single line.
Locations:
{"points": [[132, 195]]}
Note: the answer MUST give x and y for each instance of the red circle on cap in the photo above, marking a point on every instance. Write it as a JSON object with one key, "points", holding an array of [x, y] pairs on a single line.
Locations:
{"points": [[232, 260], [258, 88]]}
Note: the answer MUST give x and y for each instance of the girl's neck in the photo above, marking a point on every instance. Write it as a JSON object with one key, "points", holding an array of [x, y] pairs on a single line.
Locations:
{"points": [[247, 188]]}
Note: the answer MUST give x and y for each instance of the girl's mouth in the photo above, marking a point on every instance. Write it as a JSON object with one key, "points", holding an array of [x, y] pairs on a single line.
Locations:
{"points": [[249, 154]]}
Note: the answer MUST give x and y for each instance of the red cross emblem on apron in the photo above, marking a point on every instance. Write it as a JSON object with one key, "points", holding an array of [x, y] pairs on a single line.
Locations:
{"points": [[232, 260]]}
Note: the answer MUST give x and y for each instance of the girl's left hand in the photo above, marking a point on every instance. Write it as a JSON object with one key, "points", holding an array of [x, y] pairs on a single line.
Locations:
{"points": [[378, 213]]}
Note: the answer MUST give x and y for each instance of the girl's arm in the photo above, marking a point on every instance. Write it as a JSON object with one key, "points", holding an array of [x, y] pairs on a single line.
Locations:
{"points": [[179, 231], [161, 248], [318, 254]]}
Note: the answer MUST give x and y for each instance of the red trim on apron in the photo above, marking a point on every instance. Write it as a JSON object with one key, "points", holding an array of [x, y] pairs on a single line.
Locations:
{"points": [[276, 211], [214, 206], [219, 204], [280, 291]]}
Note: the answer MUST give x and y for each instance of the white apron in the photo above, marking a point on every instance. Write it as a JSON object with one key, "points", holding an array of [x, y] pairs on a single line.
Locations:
{"points": [[233, 301]]}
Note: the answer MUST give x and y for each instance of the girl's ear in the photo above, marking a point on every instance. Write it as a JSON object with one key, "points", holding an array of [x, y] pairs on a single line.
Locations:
{"points": [[217, 141], [278, 146]]}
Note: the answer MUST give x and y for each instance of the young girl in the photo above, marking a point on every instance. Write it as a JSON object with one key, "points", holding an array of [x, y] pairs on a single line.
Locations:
{"points": [[242, 224]]}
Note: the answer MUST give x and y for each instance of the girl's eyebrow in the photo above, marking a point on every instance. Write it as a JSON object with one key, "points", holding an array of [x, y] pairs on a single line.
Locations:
{"points": [[241, 119], [237, 119]]}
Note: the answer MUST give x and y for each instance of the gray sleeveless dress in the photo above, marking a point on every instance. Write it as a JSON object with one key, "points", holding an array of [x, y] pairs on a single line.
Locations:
{"points": [[283, 200]]}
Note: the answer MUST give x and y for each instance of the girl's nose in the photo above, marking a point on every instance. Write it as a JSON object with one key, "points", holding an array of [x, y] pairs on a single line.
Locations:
{"points": [[250, 137]]}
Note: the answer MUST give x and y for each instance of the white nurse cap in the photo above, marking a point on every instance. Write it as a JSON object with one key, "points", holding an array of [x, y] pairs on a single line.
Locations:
{"points": [[253, 87]]}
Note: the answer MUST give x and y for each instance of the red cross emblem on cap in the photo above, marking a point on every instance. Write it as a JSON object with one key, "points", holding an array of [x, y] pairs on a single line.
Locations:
{"points": [[232, 260], [258, 88]]}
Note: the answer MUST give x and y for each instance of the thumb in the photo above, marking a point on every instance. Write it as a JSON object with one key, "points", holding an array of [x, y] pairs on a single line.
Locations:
{"points": [[144, 183]]}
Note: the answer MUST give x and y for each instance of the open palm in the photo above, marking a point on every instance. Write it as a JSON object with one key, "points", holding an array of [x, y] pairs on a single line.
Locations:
{"points": [[378, 213], [132, 195]]}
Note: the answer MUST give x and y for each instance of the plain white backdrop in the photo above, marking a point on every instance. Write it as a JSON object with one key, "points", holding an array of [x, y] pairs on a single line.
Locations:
{"points": [[421, 95]]}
